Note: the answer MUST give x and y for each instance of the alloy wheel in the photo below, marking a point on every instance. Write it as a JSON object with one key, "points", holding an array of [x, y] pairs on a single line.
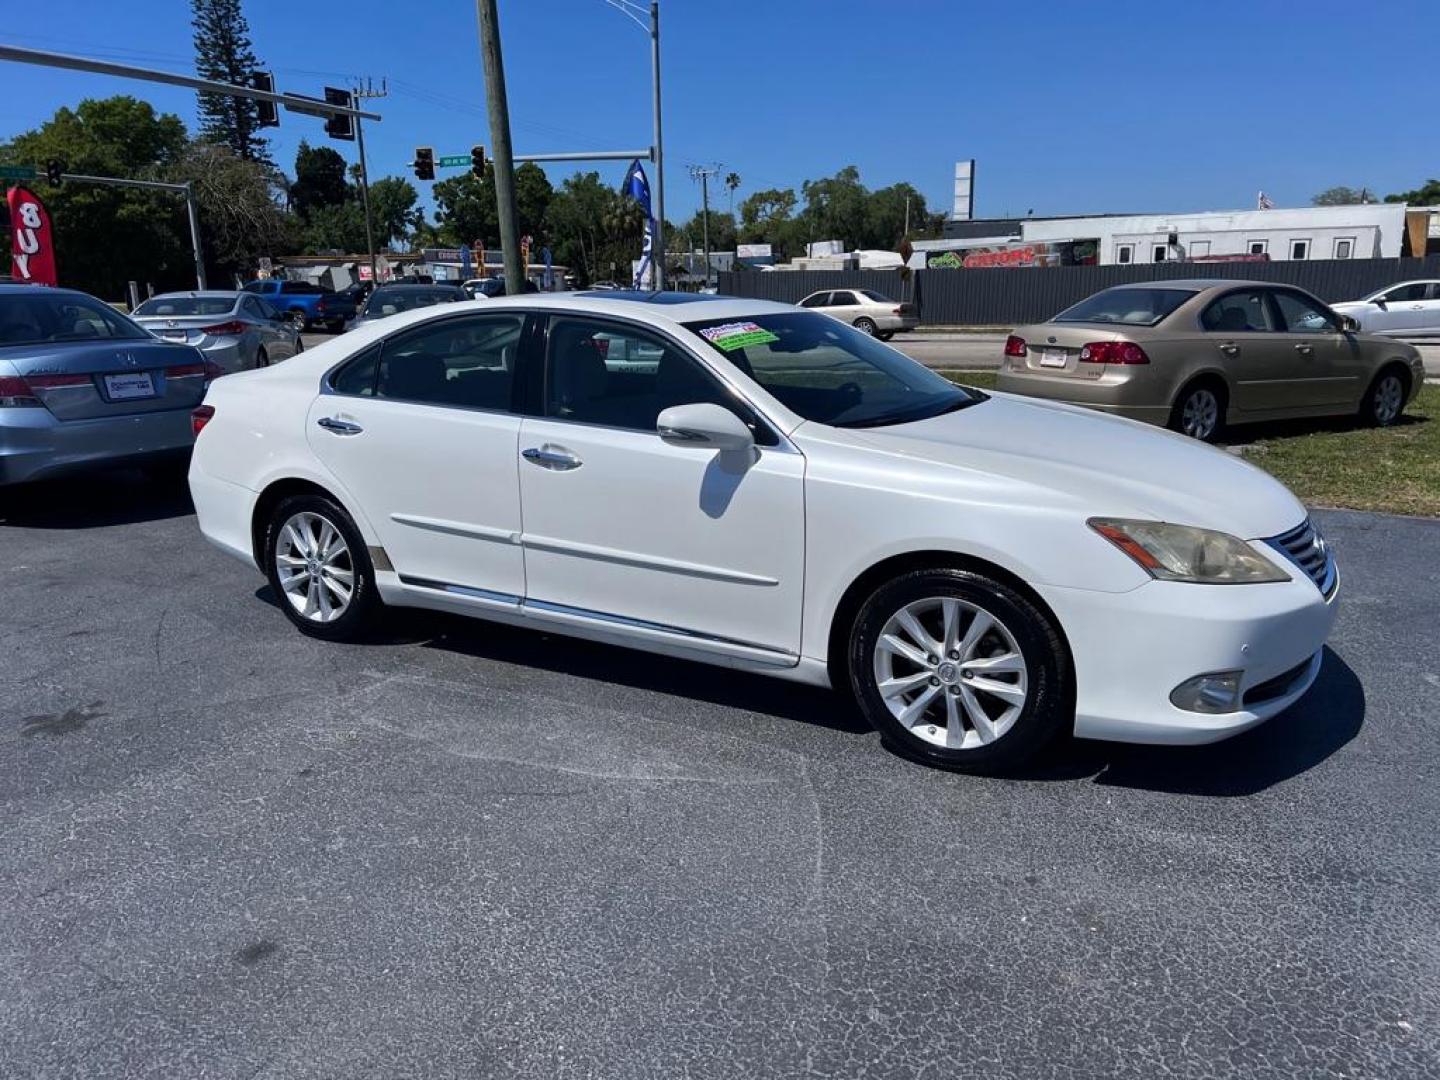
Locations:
{"points": [[951, 673], [1201, 414], [314, 567], [1389, 399]]}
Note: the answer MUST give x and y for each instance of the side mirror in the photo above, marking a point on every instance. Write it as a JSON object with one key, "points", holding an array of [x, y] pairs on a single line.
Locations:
{"points": [[704, 426], [1349, 324]]}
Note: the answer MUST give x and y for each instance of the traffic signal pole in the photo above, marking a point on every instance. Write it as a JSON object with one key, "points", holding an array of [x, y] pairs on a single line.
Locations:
{"points": [[498, 107], [186, 189]]}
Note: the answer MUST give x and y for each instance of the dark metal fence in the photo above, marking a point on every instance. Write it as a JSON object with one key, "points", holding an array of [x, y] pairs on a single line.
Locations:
{"points": [[1001, 297]]}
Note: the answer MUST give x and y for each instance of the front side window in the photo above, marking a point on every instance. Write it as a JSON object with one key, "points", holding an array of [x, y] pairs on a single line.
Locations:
{"points": [[466, 363], [1406, 294], [1238, 313], [619, 376], [37, 318], [1301, 315], [391, 301], [819, 299], [357, 376], [828, 372], [1129, 307]]}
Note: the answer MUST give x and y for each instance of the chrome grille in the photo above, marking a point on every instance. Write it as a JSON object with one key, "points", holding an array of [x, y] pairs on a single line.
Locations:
{"points": [[1306, 548]]}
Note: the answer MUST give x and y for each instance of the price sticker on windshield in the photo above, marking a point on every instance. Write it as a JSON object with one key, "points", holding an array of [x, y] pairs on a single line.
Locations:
{"points": [[738, 335]]}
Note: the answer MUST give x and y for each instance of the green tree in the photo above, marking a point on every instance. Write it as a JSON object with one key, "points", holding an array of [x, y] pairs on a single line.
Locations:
{"points": [[339, 227], [722, 232], [394, 210], [465, 210], [532, 200], [106, 236], [1429, 195], [593, 229], [835, 208], [223, 53], [765, 215], [886, 216], [319, 180], [1342, 196]]}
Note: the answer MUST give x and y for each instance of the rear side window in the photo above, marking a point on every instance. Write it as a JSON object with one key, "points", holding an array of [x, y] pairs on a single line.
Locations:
{"points": [[843, 299], [466, 363], [357, 376], [1127, 307], [1238, 313]]}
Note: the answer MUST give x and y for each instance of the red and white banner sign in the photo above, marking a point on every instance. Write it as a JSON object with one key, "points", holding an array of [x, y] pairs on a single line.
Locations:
{"points": [[32, 245]]}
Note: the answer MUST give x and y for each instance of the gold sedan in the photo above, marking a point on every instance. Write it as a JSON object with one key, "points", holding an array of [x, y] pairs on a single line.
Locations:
{"points": [[1197, 355]]}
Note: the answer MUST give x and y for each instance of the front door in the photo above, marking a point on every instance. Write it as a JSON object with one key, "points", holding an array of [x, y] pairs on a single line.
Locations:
{"points": [[1326, 361], [620, 525], [1401, 309], [420, 431]]}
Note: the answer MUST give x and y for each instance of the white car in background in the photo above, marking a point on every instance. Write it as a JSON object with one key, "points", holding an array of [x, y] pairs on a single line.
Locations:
{"points": [[776, 493], [868, 311], [1409, 309]]}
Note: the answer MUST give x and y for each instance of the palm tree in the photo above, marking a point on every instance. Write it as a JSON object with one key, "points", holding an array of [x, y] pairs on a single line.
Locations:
{"points": [[732, 181]]}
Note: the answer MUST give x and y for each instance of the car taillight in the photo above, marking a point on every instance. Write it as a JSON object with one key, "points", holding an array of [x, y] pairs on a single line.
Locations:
{"points": [[50, 382], [235, 326], [1113, 352], [320, 305], [15, 393], [200, 416], [1015, 346], [184, 371]]}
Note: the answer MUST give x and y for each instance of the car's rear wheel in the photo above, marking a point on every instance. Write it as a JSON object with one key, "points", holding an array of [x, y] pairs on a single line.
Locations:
{"points": [[958, 669], [1385, 400], [885, 335], [1199, 411], [865, 326], [319, 568], [262, 358]]}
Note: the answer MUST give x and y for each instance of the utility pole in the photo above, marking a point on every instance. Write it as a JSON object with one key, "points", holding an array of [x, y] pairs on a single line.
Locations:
{"points": [[504, 163], [907, 211], [193, 213], [703, 174], [659, 146], [362, 93]]}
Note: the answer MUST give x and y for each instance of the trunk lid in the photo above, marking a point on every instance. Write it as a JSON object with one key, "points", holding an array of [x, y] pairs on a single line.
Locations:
{"points": [[81, 380], [1054, 349], [185, 329]]}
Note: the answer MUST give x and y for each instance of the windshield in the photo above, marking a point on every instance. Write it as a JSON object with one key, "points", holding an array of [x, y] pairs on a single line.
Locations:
{"points": [[186, 305], [36, 319], [1128, 307], [390, 301], [831, 373]]}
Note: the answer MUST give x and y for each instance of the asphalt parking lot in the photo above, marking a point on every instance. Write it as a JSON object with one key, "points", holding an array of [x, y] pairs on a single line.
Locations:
{"points": [[466, 850]]}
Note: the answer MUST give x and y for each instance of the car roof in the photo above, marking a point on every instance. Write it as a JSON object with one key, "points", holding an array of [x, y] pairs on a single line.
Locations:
{"points": [[22, 287], [398, 285], [1201, 284], [198, 294], [664, 308]]}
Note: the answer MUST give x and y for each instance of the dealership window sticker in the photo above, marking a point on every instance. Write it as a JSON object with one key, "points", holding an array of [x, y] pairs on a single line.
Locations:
{"points": [[738, 335]]}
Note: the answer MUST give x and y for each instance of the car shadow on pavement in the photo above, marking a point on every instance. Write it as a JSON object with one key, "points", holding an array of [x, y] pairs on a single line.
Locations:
{"points": [[1297, 740], [114, 497], [644, 671]]}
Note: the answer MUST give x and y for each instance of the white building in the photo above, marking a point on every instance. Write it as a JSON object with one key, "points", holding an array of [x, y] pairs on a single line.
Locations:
{"points": [[1371, 231]]}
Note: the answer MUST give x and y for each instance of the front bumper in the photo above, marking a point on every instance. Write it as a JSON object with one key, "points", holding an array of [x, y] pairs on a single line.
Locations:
{"points": [[34, 445], [1132, 649]]}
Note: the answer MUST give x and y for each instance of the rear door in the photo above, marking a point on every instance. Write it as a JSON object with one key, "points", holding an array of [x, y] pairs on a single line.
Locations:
{"points": [[275, 335], [845, 305], [420, 429], [1260, 364]]}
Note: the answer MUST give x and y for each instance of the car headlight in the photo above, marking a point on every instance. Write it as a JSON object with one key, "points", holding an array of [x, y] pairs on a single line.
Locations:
{"points": [[1184, 553]]}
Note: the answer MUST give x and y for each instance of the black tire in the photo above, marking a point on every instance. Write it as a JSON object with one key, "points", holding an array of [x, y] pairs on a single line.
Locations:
{"points": [[1186, 415], [364, 606], [335, 326], [262, 358], [1047, 710], [1384, 401], [299, 345], [865, 326], [885, 335]]}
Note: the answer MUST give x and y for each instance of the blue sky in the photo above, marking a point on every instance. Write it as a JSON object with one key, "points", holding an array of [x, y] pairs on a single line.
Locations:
{"points": [[1068, 107]]}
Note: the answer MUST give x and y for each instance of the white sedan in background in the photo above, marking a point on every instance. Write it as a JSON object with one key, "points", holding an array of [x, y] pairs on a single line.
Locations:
{"points": [[776, 493], [1409, 309]]}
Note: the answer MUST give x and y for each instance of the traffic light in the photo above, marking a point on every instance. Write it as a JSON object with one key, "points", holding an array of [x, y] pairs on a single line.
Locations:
{"points": [[477, 161], [424, 163], [267, 113], [54, 171], [342, 126]]}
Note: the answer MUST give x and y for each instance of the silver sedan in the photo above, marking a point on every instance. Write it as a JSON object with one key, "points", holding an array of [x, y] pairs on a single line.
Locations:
{"points": [[235, 330], [868, 311]]}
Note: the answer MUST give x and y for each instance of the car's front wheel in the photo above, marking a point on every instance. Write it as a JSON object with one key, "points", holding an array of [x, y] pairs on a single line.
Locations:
{"points": [[958, 669], [319, 568], [1385, 400]]}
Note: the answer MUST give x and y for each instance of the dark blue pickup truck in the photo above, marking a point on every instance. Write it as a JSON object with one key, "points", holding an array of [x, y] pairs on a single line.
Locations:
{"points": [[301, 300]]}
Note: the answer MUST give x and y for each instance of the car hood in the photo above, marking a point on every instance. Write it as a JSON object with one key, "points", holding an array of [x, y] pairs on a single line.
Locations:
{"points": [[1099, 465]]}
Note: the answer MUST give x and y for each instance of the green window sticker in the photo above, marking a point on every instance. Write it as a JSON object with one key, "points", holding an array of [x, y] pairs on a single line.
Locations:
{"points": [[737, 335]]}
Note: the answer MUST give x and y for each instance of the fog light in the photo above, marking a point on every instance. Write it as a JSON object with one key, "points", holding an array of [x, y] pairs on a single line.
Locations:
{"points": [[1217, 692]]}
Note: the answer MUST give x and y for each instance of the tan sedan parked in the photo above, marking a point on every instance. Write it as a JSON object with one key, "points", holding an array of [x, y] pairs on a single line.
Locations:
{"points": [[1197, 355]]}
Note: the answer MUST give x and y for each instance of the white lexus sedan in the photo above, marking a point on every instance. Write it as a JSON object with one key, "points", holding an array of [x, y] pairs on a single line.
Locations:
{"points": [[751, 485]]}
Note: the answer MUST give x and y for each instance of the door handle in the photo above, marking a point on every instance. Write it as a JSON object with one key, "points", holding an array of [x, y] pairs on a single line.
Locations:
{"points": [[1229, 348], [551, 456], [1304, 349], [339, 427]]}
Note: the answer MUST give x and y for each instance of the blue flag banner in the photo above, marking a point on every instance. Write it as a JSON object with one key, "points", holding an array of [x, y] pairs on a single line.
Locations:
{"points": [[467, 268], [638, 188], [549, 270]]}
